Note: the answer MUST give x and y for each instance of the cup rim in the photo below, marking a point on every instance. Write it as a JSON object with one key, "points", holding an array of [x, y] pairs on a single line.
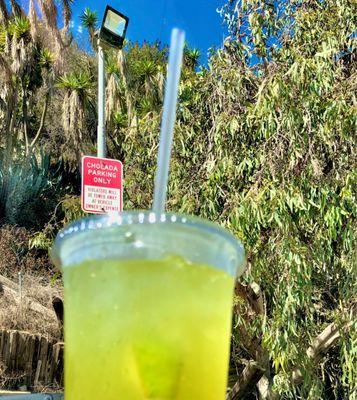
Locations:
{"points": [[127, 218]]}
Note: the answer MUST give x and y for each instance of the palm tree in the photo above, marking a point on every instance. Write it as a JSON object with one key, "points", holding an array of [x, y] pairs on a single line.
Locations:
{"points": [[25, 67], [191, 57], [16, 58], [89, 20], [77, 88]]}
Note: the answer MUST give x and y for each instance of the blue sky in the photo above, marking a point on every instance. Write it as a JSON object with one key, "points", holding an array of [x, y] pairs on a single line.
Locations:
{"points": [[152, 20]]}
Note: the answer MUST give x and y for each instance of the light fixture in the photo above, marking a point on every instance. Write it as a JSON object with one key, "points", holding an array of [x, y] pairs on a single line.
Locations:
{"points": [[113, 29]]}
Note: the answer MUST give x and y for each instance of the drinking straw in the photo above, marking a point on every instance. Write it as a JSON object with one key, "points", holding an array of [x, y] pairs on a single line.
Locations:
{"points": [[168, 119]]}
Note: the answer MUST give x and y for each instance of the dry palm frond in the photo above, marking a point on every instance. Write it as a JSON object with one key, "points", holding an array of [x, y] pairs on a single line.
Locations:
{"points": [[160, 78], [73, 117], [6, 69], [32, 16], [121, 62], [24, 54], [16, 9], [111, 95], [67, 13], [4, 15], [49, 13], [128, 93], [15, 56]]}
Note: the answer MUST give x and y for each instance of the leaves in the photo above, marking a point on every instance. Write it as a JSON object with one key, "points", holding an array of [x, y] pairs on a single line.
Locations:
{"points": [[89, 19]]}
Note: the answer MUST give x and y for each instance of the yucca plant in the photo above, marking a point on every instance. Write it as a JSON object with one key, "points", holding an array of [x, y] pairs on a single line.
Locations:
{"points": [[120, 120], [46, 59], [191, 57], [79, 82], [77, 87], [89, 21], [145, 106], [20, 27]]}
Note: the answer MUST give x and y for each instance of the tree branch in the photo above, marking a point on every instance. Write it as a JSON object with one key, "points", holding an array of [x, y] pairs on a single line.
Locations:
{"points": [[25, 117], [42, 123], [249, 378], [322, 343]]}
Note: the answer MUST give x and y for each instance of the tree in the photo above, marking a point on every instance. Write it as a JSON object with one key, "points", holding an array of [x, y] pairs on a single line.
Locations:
{"points": [[77, 87], [89, 20], [67, 12], [27, 66], [264, 146], [191, 57]]}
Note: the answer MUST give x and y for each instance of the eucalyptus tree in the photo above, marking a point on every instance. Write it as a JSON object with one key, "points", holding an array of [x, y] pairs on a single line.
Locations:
{"points": [[264, 144]]}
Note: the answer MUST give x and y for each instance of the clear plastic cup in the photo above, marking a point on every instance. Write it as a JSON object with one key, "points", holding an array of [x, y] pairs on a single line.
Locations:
{"points": [[148, 304]]}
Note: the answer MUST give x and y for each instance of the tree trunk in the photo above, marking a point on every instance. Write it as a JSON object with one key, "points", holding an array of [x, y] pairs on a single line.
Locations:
{"points": [[323, 342], [42, 122], [9, 128], [17, 11], [4, 15], [25, 118], [251, 375]]}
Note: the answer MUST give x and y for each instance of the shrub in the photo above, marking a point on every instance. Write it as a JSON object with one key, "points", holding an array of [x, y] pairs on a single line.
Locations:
{"points": [[28, 191], [16, 254]]}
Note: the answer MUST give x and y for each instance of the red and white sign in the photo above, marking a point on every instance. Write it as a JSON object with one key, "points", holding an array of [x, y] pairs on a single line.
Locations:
{"points": [[102, 185]]}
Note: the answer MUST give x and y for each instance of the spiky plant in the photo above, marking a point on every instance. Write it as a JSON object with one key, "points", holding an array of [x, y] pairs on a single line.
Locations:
{"points": [[191, 57], [77, 90], [19, 27], [89, 21]]}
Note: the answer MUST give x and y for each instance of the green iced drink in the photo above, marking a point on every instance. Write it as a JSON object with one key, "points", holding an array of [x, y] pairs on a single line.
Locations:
{"points": [[148, 309]]}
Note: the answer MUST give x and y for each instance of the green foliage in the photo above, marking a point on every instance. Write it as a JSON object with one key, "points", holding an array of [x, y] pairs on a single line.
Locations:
{"points": [[19, 26], [46, 59], [2, 37], [191, 57], [40, 241], [71, 207], [120, 120], [267, 151], [78, 81], [89, 19]]}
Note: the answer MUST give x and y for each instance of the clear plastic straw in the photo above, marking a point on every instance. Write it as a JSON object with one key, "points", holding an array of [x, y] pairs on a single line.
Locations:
{"points": [[168, 119]]}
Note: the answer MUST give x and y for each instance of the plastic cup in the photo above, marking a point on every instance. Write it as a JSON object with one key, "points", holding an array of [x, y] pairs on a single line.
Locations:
{"points": [[148, 304]]}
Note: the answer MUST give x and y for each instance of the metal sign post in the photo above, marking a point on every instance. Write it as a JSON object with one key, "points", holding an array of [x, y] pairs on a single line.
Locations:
{"points": [[101, 142]]}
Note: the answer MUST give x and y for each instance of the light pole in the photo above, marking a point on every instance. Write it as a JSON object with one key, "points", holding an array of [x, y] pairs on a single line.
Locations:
{"points": [[101, 142], [112, 33]]}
